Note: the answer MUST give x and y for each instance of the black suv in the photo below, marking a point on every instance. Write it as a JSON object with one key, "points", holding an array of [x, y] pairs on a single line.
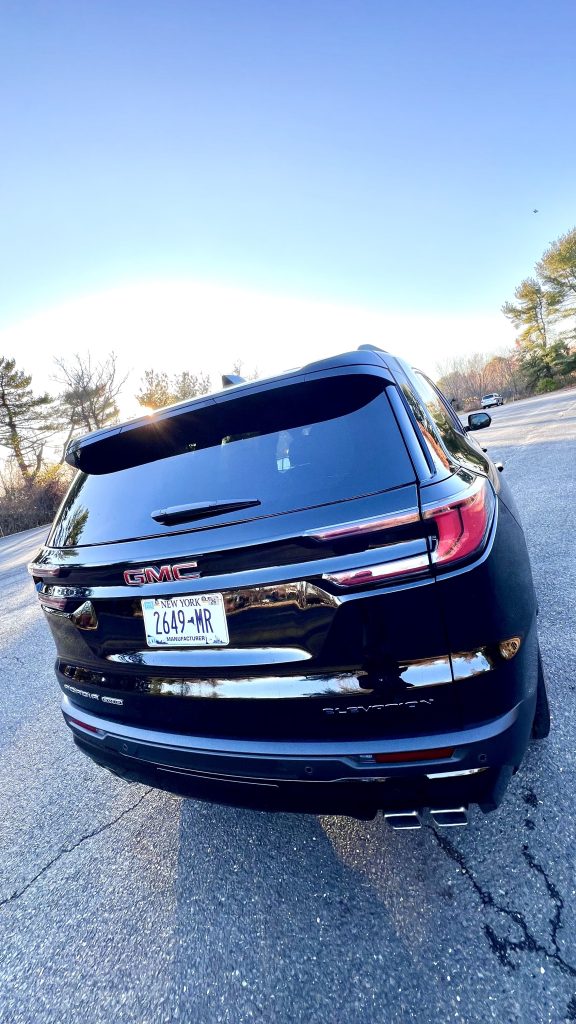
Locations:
{"points": [[309, 593]]}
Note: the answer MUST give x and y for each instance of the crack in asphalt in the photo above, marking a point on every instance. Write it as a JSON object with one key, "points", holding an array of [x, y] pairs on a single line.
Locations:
{"points": [[571, 1009], [503, 947], [554, 893], [70, 849]]}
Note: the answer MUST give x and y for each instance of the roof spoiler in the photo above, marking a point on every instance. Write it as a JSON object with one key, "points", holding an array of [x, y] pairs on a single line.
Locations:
{"points": [[145, 439], [167, 431]]}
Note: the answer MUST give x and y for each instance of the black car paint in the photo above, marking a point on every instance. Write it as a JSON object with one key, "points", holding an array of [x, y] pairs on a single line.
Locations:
{"points": [[250, 743]]}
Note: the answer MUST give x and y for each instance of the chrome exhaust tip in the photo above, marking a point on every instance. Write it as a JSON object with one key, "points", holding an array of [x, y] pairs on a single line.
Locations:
{"points": [[449, 817], [403, 819]]}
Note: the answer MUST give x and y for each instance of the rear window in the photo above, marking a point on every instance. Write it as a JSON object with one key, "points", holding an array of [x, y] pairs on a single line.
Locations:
{"points": [[286, 448]]}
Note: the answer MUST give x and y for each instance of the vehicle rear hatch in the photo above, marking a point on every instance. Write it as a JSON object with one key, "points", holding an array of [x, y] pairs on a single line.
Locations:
{"points": [[297, 502]]}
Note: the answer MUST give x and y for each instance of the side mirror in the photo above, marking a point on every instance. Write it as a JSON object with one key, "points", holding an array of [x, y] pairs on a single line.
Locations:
{"points": [[478, 420]]}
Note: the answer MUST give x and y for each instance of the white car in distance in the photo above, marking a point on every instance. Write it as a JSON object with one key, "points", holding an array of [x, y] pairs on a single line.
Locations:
{"points": [[489, 400]]}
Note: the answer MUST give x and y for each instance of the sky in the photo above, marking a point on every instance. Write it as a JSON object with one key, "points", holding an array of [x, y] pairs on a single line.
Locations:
{"points": [[186, 183]]}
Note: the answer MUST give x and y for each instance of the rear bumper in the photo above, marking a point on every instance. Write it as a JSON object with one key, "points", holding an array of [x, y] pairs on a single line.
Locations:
{"points": [[340, 777]]}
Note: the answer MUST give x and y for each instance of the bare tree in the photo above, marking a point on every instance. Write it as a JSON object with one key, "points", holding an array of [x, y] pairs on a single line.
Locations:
{"points": [[88, 400], [237, 369], [467, 378], [504, 374]]}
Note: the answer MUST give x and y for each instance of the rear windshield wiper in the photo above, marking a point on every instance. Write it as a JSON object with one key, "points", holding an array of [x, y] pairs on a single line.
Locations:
{"points": [[200, 510]]}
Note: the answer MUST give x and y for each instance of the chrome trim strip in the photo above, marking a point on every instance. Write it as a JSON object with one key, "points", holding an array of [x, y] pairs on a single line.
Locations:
{"points": [[428, 672], [415, 675], [230, 585], [259, 688], [453, 775], [208, 657], [447, 668], [471, 663]]}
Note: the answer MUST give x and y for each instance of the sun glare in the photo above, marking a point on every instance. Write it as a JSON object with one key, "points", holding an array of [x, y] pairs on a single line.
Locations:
{"points": [[202, 327]]}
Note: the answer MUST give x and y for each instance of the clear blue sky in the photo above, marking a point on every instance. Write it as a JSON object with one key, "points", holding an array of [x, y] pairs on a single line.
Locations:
{"points": [[375, 152]]}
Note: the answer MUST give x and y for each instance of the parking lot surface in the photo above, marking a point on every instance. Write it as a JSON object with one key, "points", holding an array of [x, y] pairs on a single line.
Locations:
{"points": [[120, 904]]}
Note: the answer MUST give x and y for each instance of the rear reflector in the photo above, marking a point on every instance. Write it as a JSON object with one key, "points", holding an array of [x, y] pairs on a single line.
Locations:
{"points": [[438, 754], [462, 526], [84, 725]]}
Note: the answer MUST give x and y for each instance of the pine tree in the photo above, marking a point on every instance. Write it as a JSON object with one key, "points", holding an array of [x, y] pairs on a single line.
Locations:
{"points": [[557, 269], [25, 421], [158, 389]]}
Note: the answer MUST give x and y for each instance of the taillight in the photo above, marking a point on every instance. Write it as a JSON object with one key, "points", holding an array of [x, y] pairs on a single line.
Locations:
{"points": [[374, 573], [360, 527], [462, 525], [39, 571]]}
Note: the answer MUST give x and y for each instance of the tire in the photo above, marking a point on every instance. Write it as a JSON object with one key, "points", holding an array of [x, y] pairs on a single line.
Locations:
{"points": [[541, 723]]}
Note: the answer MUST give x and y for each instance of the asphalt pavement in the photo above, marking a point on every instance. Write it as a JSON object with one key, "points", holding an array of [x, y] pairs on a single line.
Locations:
{"points": [[126, 905]]}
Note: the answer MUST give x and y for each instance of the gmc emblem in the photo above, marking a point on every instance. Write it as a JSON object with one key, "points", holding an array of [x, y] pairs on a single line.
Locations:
{"points": [[165, 574]]}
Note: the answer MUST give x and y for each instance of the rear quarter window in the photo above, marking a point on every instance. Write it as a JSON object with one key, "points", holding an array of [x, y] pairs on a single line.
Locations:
{"points": [[447, 424]]}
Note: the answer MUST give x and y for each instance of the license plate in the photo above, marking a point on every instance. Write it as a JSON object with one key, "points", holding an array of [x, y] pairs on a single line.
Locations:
{"points": [[193, 620]]}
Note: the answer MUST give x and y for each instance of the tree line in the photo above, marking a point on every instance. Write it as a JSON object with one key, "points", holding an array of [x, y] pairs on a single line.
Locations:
{"points": [[544, 314], [465, 379], [543, 357]]}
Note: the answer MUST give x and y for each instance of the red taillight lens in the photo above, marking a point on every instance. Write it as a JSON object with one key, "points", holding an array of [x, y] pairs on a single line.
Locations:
{"points": [[83, 725], [462, 526], [374, 573]]}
